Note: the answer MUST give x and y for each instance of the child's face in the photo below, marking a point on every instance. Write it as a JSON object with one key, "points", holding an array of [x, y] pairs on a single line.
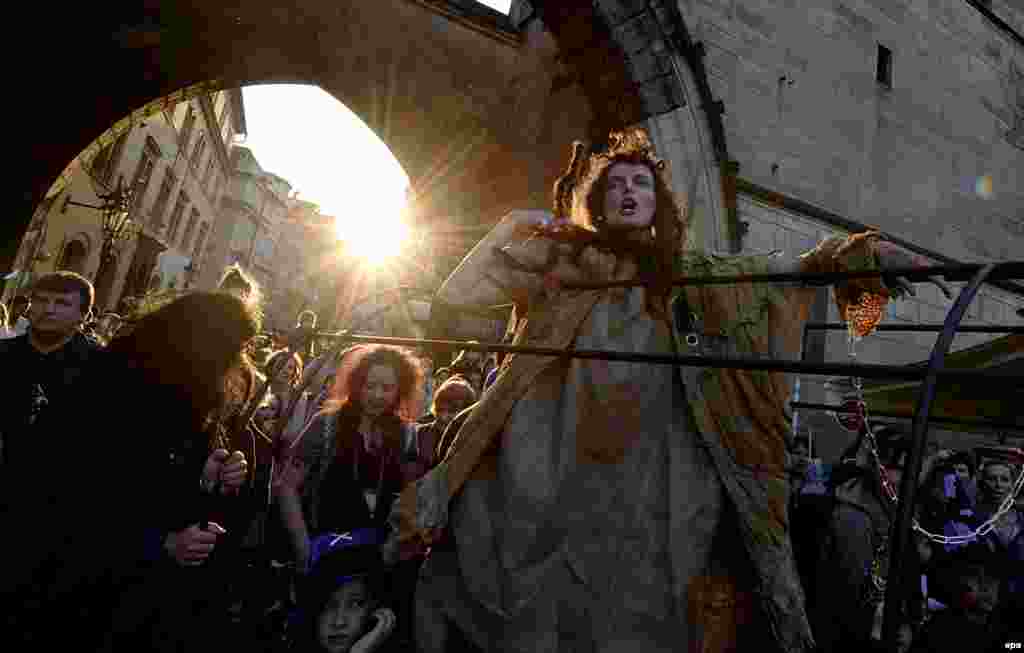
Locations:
{"points": [[345, 618]]}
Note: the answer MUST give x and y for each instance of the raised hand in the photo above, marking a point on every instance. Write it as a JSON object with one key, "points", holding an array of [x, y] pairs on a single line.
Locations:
{"points": [[229, 470], [892, 256], [372, 640], [289, 476]]}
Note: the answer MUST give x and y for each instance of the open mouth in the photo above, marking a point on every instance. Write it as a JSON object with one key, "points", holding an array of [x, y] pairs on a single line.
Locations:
{"points": [[628, 207], [338, 640]]}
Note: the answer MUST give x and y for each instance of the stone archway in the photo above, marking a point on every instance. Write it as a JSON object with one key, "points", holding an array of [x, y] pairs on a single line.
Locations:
{"points": [[478, 110]]}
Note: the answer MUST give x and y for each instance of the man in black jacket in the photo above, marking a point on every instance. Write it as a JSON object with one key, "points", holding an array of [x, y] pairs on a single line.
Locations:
{"points": [[48, 361], [45, 388]]}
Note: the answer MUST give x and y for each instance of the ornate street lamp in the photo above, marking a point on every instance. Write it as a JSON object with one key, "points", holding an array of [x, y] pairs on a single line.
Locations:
{"points": [[117, 225]]}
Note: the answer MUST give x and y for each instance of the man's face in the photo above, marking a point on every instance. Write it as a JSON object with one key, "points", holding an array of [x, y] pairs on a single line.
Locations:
{"points": [[56, 312], [997, 480]]}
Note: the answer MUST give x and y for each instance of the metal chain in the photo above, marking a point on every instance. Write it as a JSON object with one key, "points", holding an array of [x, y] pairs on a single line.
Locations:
{"points": [[1005, 507]]}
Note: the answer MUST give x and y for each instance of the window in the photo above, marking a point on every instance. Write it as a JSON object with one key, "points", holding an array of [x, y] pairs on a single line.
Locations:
{"points": [[144, 172], [208, 173], [186, 129], [106, 160], [883, 71], [200, 148], [197, 251], [175, 222], [219, 103], [225, 132], [193, 219], [160, 205]]}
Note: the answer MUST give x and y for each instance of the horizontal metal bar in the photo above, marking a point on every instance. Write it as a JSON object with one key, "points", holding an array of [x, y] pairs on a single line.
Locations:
{"points": [[1009, 270], [879, 413], [775, 198], [841, 326], [763, 364]]}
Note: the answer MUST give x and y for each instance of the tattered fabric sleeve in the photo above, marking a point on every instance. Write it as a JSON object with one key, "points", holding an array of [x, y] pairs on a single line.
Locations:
{"points": [[748, 408], [422, 509], [741, 415]]}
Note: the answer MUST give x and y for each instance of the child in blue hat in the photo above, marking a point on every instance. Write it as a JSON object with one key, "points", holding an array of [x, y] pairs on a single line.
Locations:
{"points": [[342, 600]]}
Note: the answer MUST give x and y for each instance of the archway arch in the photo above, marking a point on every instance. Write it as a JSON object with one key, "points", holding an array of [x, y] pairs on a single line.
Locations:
{"points": [[479, 111]]}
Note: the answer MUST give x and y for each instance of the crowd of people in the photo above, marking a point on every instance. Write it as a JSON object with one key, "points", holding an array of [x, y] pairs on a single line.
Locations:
{"points": [[967, 591], [177, 479]]}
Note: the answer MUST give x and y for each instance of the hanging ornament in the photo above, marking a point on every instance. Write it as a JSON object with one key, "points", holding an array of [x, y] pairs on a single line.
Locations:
{"points": [[864, 315]]}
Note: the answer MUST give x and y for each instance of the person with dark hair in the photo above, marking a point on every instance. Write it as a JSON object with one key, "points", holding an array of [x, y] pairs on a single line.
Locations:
{"points": [[343, 601], [198, 477], [46, 384], [1005, 542], [970, 583], [44, 367], [852, 563], [451, 398], [345, 468], [284, 369], [597, 503], [303, 338]]}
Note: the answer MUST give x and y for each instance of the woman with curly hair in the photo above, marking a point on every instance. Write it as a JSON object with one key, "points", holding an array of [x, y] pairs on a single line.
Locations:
{"points": [[599, 505], [345, 468]]}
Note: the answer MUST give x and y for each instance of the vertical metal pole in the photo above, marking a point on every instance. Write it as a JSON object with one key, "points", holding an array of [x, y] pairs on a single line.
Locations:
{"points": [[796, 383], [899, 587]]}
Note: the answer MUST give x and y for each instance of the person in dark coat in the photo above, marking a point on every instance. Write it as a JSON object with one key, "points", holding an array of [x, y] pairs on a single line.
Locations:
{"points": [[45, 387], [183, 488], [852, 557]]}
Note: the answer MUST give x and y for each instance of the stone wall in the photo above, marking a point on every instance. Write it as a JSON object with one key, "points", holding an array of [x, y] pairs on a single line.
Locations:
{"points": [[926, 160]]}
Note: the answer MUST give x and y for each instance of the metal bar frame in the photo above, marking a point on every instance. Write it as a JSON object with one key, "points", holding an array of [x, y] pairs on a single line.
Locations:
{"points": [[932, 374], [963, 421]]}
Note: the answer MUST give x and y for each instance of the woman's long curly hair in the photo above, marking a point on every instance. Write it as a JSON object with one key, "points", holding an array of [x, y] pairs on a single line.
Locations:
{"points": [[345, 395], [579, 196], [184, 351]]}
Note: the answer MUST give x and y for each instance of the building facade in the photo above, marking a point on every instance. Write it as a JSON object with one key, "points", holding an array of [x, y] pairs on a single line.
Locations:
{"points": [[253, 211], [836, 116], [177, 163]]}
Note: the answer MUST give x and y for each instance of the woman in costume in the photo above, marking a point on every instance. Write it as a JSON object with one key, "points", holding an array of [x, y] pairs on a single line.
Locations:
{"points": [[346, 467], [620, 506]]}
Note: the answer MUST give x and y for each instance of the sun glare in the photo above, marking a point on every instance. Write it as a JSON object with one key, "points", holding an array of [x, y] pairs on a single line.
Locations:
{"points": [[375, 232]]}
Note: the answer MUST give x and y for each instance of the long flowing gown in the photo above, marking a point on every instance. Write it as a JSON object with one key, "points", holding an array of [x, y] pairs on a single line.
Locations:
{"points": [[597, 530]]}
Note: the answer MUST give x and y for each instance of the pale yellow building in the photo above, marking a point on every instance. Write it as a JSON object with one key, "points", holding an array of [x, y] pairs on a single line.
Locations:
{"points": [[178, 162]]}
